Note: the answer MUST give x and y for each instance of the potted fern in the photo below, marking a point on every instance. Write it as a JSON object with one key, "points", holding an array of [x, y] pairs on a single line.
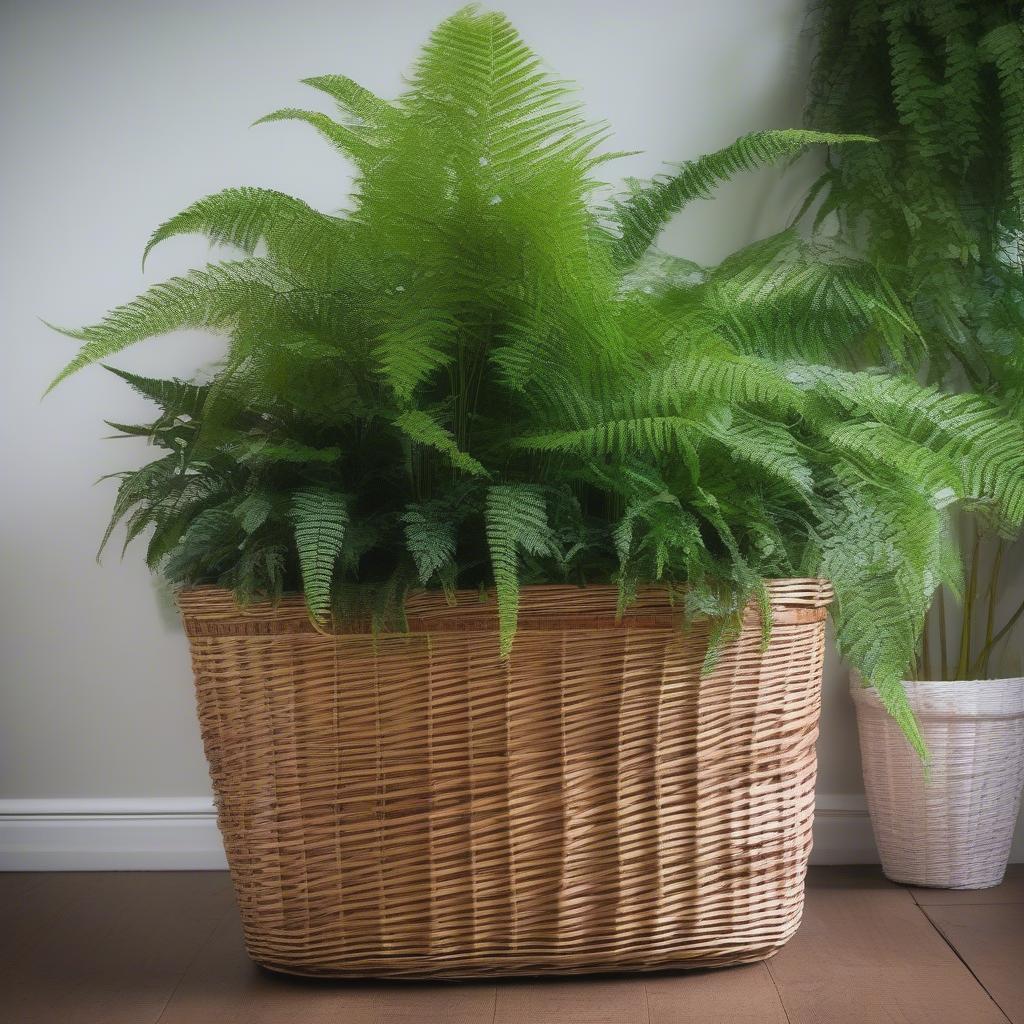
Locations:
{"points": [[477, 454], [939, 210]]}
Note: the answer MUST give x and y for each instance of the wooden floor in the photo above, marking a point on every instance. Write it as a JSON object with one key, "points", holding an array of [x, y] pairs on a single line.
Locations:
{"points": [[141, 948]]}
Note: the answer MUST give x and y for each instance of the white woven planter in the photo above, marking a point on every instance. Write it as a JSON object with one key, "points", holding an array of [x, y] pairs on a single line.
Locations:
{"points": [[954, 829]]}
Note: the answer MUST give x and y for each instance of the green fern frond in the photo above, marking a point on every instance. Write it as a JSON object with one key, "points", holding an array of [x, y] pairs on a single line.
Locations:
{"points": [[295, 234], [355, 100], [254, 510], [268, 450], [1004, 47], [213, 298], [410, 354], [175, 397], [650, 436], [650, 206], [152, 480], [970, 431], [764, 445], [430, 537], [320, 519], [345, 140], [421, 427], [871, 444], [516, 520], [214, 532]]}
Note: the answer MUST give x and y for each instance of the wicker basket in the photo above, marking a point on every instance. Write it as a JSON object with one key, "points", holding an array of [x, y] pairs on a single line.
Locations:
{"points": [[409, 804], [954, 828]]}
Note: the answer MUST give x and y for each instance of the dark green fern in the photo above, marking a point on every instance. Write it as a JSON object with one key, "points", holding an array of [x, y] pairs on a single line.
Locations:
{"points": [[937, 209]]}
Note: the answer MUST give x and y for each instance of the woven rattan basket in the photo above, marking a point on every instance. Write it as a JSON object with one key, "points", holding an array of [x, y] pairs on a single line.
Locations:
{"points": [[409, 804], [953, 826]]}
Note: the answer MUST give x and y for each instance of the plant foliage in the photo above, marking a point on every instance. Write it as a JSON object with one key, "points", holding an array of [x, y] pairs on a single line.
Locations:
{"points": [[938, 211], [484, 374]]}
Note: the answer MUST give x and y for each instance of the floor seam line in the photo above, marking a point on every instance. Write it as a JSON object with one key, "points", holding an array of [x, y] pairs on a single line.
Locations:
{"points": [[778, 992], [942, 935], [200, 946]]}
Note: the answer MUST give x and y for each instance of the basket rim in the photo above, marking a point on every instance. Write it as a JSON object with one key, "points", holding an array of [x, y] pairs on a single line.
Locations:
{"points": [[209, 609], [950, 700]]}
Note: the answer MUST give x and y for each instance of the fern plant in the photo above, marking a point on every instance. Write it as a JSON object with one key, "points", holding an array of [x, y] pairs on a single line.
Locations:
{"points": [[484, 374], [938, 209]]}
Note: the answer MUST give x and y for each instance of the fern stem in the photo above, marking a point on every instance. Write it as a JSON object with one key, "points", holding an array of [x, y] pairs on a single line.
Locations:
{"points": [[943, 640], [964, 661], [1010, 623], [926, 659], [990, 616]]}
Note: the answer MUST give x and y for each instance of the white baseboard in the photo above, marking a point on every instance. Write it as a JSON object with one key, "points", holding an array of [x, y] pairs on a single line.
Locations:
{"points": [[151, 834], [180, 833]]}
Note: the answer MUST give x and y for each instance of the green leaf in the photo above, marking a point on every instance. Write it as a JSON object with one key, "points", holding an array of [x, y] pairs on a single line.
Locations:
{"points": [[320, 518], [430, 537], [295, 234], [422, 428], [652, 204], [345, 140], [516, 520], [212, 298], [354, 99]]}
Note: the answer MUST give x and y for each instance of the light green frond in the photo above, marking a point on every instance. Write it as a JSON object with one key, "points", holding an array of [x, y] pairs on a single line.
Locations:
{"points": [[985, 445], [409, 354], [320, 518], [347, 141], [268, 450], [870, 444], [355, 100], [650, 436], [652, 204], [213, 298], [516, 520], [295, 234], [712, 372], [422, 428], [769, 447]]}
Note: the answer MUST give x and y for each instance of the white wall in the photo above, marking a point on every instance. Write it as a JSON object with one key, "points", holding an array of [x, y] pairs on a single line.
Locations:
{"points": [[118, 113]]}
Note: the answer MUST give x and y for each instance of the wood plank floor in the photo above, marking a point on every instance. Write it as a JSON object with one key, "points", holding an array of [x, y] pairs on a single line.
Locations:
{"points": [[166, 948]]}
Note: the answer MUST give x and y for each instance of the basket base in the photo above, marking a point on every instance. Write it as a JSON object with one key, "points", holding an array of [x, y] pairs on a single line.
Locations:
{"points": [[455, 968]]}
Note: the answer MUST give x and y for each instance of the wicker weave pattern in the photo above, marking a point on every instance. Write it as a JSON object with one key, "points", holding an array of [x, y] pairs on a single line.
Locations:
{"points": [[952, 829], [410, 805]]}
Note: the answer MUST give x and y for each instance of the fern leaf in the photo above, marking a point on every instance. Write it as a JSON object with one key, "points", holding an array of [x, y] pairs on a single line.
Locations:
{"points": [[970, 430], [150, 482], [768, 446], [354, 99], [409, 355], [430, 537], [254, 510], [516, 520], [295, 234], [422, 428], [320, 519], [175, 397], [345, 140], [652, 204], [211, 298]]}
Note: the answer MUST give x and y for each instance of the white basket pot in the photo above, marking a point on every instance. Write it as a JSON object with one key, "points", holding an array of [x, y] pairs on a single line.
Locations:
{"points": [[952, 829]]}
